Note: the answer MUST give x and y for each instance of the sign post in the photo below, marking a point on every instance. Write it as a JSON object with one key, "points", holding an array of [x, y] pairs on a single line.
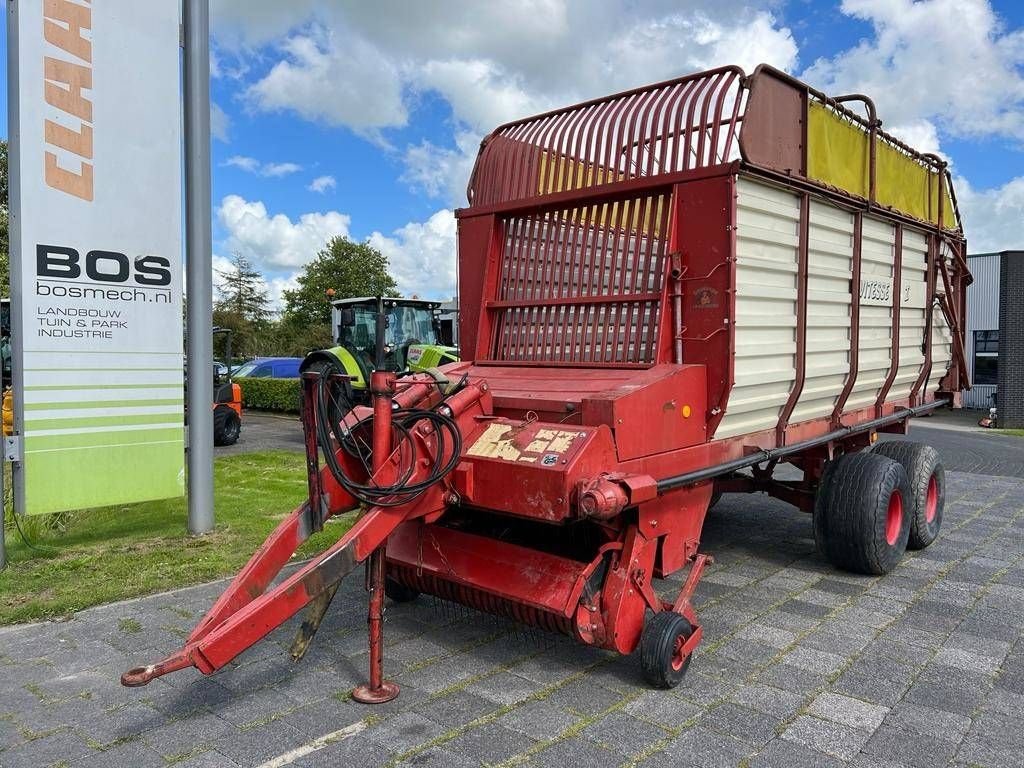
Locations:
{"points": [[95, 234], [199, 245]]}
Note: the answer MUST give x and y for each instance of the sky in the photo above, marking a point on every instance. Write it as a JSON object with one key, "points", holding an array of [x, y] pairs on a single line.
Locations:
{"points": [[363, 118]]}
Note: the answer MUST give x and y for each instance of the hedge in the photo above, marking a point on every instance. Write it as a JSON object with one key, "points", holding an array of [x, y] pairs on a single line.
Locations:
{"points": [[271, 394]]}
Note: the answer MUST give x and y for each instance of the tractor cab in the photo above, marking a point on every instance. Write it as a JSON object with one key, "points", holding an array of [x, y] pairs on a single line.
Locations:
{"points": [[382, 333]]}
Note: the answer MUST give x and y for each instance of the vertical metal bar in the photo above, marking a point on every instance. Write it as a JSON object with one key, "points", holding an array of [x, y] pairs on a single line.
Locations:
{"points": [[645, 237], [897, 305], [198, 250], [734, 121], [698, 95], [704, 117], [851, 376], [919, 393], [633, 264], [800, 374], [669, 128], [3, 515], [379, 690]]}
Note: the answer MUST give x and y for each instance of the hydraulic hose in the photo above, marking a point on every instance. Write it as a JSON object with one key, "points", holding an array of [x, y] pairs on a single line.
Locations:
{"points": [[404, 421]]}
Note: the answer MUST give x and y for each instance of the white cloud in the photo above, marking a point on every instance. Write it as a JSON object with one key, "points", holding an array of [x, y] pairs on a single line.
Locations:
{"points": [[922, 135], [439, 171], [220, 123], [252, 165], [275, 243], [947, 61], [248, 164], [279, 169], [992, 217], [322, 183], [324, 78], [422, 256]]}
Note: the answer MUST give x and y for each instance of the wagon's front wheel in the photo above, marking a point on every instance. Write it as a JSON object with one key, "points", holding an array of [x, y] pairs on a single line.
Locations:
{"points": [[661, 649]]}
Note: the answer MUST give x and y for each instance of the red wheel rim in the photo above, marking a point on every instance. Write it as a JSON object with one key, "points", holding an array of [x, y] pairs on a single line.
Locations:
{"points": [[931, 501], [894, 518], [678, 658]]}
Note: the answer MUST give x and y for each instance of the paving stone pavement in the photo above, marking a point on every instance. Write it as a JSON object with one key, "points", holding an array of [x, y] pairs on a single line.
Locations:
{"points": [[801, 666]]}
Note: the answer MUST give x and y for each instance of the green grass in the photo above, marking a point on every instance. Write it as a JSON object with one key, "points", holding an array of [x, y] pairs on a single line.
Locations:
{"points": [[1010, 432], [99, 556]]}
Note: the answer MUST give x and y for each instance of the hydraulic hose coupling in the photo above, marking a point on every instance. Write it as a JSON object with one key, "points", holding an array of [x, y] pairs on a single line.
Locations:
{"points": [[602, 499]]}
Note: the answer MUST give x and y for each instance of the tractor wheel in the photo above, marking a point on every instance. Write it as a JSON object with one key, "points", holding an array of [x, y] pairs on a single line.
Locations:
{"points": [[339, 404], [862, 514], [226, 426], [661, 644], [927, 487], [399, 592]]}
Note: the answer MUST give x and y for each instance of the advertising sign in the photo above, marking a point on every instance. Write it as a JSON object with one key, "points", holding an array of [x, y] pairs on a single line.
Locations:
{"points": [[95, 153]]}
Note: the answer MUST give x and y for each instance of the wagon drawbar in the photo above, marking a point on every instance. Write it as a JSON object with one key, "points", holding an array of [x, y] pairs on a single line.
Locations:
{"points": [[664, 294]]}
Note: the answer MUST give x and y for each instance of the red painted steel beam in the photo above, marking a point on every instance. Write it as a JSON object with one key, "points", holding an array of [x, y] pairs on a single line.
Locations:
{"points": [[897, 306], [800, 374], [851, 376], [605, 193], [918, 393]]}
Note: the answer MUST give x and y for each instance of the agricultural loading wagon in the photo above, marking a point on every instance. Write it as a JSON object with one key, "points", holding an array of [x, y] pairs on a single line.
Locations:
{"points": [[664, 294]]}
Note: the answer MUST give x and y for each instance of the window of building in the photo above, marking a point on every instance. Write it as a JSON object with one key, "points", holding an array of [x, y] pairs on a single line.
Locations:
{"points": [[986, 357]]}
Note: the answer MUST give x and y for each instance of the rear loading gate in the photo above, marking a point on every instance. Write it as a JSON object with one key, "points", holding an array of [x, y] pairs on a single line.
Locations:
{"points": [[659, 290]]}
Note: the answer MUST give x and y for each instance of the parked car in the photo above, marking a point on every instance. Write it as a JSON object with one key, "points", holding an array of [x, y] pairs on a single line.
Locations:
{"points": [[270, 368]]}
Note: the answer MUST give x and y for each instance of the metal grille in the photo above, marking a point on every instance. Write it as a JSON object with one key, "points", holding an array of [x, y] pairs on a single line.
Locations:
{"points": [[582, 286], [682, 124]]}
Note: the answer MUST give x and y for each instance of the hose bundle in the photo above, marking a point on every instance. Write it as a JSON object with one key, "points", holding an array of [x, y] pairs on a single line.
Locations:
{"points": [[357, 442]]}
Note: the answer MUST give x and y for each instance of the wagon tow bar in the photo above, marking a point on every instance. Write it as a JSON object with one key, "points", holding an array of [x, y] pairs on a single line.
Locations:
{"points": [[251, 608]]}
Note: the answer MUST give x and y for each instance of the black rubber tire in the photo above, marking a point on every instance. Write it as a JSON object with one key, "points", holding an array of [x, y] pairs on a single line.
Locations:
{"points": [[851, 513], [399, 592], [716, 496], [658, 649], [922, 464], [226, 426]]}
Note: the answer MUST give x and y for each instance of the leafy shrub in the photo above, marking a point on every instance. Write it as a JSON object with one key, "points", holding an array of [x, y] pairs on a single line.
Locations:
{"points": [[271, 394]]}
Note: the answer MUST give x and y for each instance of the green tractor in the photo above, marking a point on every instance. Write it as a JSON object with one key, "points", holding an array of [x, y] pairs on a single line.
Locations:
{"points": [[382, 333]]}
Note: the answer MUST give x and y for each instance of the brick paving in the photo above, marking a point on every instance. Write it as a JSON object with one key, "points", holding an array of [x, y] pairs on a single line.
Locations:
{"points": [[801, 666]]}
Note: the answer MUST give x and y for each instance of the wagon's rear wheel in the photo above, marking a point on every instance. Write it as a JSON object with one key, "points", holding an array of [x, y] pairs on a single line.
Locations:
{"points": [[661, 649], [927, 487], [861, 513]]}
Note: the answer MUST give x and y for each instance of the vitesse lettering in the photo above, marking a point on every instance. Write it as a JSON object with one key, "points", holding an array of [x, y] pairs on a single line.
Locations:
{"points": [[874, 290]]}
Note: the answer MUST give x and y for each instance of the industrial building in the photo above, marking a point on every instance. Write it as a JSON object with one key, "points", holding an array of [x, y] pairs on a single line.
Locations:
{"points": [[995, 317]]}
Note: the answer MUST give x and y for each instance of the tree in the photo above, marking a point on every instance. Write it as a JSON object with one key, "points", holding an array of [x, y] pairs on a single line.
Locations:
{"points": [[349, 269], [242, 291]]}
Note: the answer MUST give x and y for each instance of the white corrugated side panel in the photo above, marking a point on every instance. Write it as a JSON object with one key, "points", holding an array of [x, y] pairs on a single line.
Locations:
{"points": [[875, 355], [914, 297], [767, 233], [829, 271]]}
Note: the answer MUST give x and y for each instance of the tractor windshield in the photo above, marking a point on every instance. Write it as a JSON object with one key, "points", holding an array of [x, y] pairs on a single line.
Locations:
{"points": [[405, 325]]}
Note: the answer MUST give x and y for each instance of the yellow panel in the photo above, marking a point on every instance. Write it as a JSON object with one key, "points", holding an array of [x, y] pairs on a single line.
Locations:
{"points": [[837, 151], [838, 154], [563, 173]]}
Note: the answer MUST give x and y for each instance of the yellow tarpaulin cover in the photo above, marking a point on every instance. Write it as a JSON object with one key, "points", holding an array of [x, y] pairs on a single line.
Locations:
{"points": [[838, 154]]}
